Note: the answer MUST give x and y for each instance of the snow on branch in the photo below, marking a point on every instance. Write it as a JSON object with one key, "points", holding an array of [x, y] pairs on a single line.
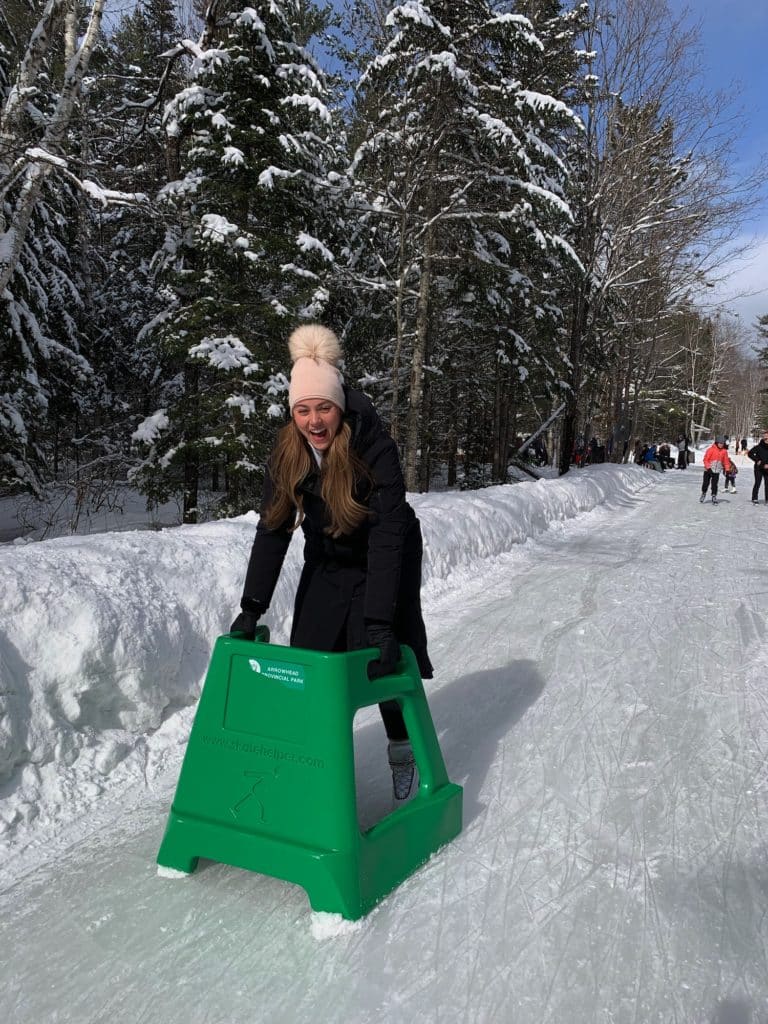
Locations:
{"points": [[150, 429], [103, 196], [524, 28], [248, 18], [246, 405], [541, 101], [226, 353], [414, 12], [312, 103], [308, 243], [215, 228], [435, 63], [267, 177]]}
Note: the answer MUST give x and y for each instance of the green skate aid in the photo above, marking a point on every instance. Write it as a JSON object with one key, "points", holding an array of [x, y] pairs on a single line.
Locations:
{"points": [[268, 781]]}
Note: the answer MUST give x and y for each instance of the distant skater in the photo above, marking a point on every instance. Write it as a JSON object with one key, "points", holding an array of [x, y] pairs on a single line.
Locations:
{"points": [[759, 455], [715, 461], [682, 451], [730, 473]]}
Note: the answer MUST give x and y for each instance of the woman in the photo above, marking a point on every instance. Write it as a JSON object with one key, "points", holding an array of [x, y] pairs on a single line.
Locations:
{"points": [[715, 461], [336, 472]]}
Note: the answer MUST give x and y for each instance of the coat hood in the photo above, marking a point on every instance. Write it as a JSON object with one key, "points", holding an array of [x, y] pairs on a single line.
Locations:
{"points": [[365, 423]]}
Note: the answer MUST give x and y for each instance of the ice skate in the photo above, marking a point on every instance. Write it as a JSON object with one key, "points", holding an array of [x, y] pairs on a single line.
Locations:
{"points": [[714, 499], [703, 498], [404, 774]]}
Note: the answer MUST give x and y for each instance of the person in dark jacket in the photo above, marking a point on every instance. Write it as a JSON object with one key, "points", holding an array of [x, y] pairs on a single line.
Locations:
{"points": [[759, 455], [335, 471], [683, 441]]}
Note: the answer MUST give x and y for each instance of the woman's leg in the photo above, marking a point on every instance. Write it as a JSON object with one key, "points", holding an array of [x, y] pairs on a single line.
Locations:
{"points": [[354, 638], [394, 723], [758, 481]]}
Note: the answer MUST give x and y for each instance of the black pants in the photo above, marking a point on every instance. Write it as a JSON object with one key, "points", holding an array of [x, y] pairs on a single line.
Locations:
{"points": [[328, 616], [391, 713], [710, 477], [761, 477]]}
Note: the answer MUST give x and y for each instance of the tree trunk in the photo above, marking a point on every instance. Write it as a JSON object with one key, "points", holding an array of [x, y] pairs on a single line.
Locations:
{"points": [[425, 463], [570, 418], [191, 456], [399, 329], [498, 453], [452, 437], [414, 419]]}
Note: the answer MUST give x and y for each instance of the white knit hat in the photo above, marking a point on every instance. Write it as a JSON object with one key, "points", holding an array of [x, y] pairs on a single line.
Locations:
{"points": [[315, 351]]}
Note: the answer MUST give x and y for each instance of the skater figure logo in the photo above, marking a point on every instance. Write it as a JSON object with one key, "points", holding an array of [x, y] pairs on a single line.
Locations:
{"points": [[251, 797]]}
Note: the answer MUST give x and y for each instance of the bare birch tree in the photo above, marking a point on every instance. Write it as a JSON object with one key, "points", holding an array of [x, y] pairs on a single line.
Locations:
{"points": [[658, 210], [22, 173]]}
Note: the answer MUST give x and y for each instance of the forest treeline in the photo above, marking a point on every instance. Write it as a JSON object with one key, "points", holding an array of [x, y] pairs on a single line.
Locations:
{"points": [[506, 210]]}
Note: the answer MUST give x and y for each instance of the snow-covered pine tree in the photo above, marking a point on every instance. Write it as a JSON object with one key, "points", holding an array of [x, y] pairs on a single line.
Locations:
{"points": [[246, 256], [458, 166], [45, 379], [128, 155], [529, 372]]}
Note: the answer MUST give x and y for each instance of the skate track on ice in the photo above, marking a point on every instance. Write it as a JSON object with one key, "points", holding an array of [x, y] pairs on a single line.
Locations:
{"points": [[601, 695]]}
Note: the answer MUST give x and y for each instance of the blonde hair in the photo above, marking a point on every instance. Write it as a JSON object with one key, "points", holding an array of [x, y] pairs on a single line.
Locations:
{"points": [[342, 470]]}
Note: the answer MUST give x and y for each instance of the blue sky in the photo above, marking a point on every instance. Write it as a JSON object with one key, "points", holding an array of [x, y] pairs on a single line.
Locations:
{"points": [[733, 56], [733, 40]]}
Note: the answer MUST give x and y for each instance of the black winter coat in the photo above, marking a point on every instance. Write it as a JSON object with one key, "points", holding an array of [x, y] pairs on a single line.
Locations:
{"points": [[372, 573], [759, 453]]}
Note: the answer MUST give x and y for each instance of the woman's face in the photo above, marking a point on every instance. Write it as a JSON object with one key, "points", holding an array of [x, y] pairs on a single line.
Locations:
{"points": [[318, 420]]}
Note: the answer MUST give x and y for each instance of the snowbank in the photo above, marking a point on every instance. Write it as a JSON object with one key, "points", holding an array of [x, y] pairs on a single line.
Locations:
{"points": [[104, 638]]}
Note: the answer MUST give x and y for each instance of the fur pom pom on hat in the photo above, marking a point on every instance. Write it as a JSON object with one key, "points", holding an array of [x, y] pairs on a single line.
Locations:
{"points": [[315, 351]]}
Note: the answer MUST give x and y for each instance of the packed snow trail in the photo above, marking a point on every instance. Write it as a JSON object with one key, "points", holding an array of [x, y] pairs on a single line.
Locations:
{"points": [[600, 695]]}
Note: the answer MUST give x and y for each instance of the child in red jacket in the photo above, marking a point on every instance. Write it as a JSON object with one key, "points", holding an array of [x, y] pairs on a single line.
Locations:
{"points": [[715, 461]]}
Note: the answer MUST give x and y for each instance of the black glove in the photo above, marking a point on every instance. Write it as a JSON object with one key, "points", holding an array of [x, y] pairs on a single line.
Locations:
{"points": [[248, 618], [381, 635], [245, 623]]}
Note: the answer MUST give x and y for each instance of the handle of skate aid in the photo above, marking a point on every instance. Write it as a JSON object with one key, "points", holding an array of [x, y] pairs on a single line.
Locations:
{"points": [[373, 654], [261, 636]]}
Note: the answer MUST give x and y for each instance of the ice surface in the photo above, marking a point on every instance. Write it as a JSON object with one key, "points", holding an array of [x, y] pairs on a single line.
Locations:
{"points": [[601, 649]]}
